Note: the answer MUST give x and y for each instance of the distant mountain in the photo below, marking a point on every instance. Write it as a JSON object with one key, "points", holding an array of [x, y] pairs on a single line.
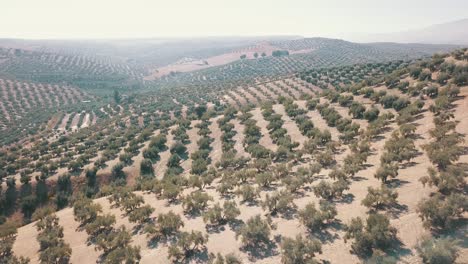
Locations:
{"points": [[455, 32]]}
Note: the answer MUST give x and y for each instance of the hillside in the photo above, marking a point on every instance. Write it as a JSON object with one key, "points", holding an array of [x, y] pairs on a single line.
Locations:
{"points": [[329, 157], [74, 82], [100, 67]]}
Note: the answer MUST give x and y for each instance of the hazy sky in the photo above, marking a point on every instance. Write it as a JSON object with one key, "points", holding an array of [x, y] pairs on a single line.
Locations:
{"points": [[157, 18]]}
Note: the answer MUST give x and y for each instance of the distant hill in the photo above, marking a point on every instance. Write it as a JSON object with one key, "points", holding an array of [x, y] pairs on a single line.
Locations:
{"points": [[101, 66], [447, 33]]}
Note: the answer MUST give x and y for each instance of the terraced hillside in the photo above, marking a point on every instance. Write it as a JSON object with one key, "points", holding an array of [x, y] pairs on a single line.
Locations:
{"points": [[88, 72], [347, 164], [25, 106], [304, 54]]}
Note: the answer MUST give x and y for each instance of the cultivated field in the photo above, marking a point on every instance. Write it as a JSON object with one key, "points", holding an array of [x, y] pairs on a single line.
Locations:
{"points": [[336, 161]]}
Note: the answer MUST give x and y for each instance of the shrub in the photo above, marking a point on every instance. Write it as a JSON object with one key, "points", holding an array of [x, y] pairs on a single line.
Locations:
{"points": [[64, 190], [118, 173], [314, 219], [116, 247], [146, 168], [195, 202], [312, 103], [279, 202], [371, 114], [170, 191], [330, 191], [141, 214], [386, 171], [441, 212], [450, 180], [249, 194], [380, 198], [357, 110], [85, 211], [256, 232], [218, 216], [438, 251], [264, 179], [123, 254], [376, 234], [52, 245], [126, 158], [300, 250], [101, 225], [8, 233], [187, 245], [167, 225]]}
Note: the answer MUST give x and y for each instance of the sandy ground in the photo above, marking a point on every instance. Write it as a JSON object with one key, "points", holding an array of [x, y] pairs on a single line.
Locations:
{"points": [[160, 167], [461, 114], [86, 121], [239, 98], [223, 241], [265, 140], [30, 96], [193, 65], [296, 94], [133, 171], [239, 138], [216, 145], [192, 146], [104, 111], [299, 85], [344, 112], [452, 60], [248, 97], [74, 123], [319, 122], [275, 89], [230, 100], [94, 119], [290, 125], [266, 91], [64, 122], [258, 93], [406, 221]]}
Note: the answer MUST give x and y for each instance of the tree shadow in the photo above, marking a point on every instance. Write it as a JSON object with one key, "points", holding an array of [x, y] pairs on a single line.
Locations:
{"points": [[261, 250], [173, 202], [367, 165], [198, 257], [398, 250], [346, 199], [287, 214], [138, 229], [193, 214], [329, 233], [377, 138], [236, 224], [410, 163], [154, 242], [457, 229], [396, 183], [396, 210], [358, 178], [271, 188], [212, 229]]}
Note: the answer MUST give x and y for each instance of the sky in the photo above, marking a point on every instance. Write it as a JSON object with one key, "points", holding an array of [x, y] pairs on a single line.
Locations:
{"points": [[85, 19]]}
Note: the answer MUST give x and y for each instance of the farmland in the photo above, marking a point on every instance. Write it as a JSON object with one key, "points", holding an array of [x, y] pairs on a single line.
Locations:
{"points": [[353, 155]]}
